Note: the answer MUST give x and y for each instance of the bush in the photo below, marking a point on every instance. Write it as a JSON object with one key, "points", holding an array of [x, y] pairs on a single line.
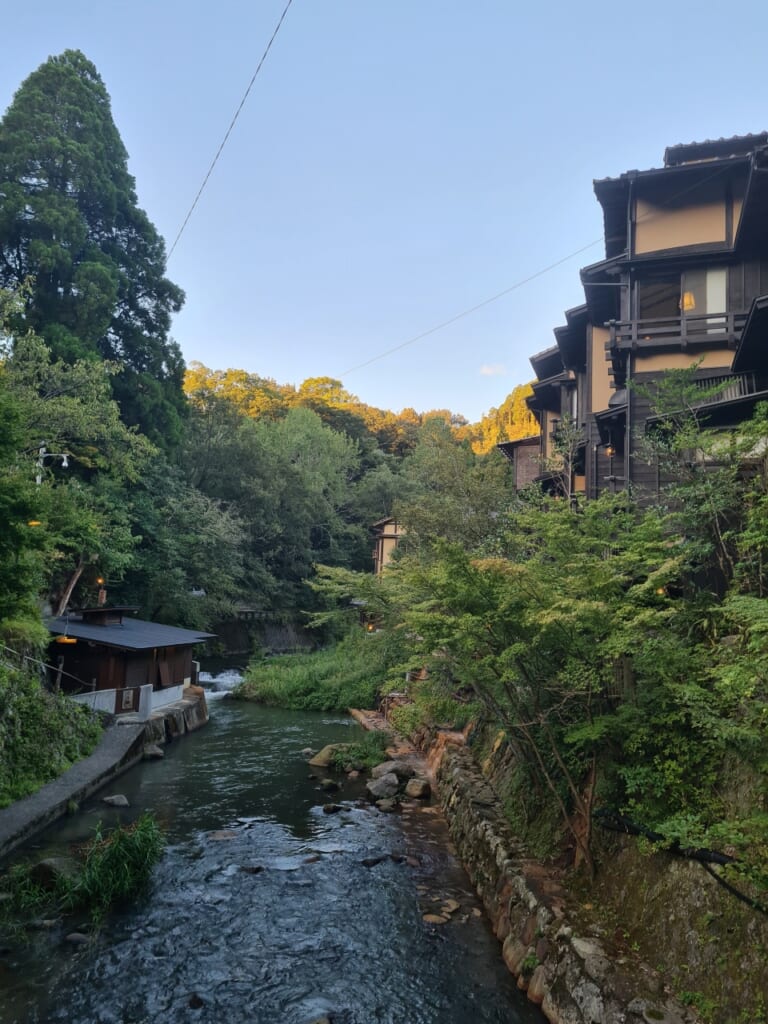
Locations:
{"points": [[41, 734]]}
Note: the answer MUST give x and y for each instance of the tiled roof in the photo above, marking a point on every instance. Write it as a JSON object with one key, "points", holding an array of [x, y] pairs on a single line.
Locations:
{"points": [[130, 634]]}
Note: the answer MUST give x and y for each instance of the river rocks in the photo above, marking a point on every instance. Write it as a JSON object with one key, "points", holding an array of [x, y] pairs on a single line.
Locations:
{"points": [[307, 752], [387, 805], [383, 787], [332, 808], [329, 785], [153, 753], [77, 939], [434, 919], [324, 758], [118, 800], [418, 789], [401, 769], [48, 872]]}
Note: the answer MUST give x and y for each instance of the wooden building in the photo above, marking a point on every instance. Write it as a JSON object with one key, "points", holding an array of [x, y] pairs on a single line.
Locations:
{"points": [[386, 533], [112, 661], [684, 281]]}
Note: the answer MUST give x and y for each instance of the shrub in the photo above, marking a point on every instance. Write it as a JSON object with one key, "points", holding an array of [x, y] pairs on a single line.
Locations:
{"points": [[41, 734]]}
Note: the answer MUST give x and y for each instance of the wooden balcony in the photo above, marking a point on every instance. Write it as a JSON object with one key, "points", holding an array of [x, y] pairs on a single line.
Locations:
{"points": [[703, 330], [729, 386]]}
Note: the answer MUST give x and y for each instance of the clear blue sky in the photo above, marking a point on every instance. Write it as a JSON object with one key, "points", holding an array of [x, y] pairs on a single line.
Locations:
{"points": [[396, 163]]}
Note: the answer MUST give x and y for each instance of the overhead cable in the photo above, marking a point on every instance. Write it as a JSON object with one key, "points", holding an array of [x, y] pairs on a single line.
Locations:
{"points": [[648, 215], [229, 130]]}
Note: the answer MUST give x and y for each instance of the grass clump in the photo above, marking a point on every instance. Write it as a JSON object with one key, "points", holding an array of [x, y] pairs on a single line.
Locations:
{"points": [[367, 752], [41, 734], [334, 679], [113, 869], [117, 866]]}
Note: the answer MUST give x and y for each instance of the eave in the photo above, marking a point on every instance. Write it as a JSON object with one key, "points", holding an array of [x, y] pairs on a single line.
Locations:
{"points": [[752, 351]]}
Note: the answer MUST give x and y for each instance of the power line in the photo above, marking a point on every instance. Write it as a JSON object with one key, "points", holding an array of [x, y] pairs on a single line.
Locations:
{"points": [[473, 309], [649, 215], [229, 130]]}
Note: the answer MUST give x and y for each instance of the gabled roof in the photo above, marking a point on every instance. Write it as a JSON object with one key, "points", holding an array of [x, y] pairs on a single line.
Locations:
{"points": [[130, 634]]}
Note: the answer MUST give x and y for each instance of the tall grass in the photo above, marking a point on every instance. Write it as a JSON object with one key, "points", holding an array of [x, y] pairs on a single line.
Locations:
{"points": [[347, 675], [115, 868]]}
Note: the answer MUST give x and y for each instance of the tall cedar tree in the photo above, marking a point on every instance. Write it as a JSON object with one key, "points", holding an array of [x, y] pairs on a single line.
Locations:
{"points": [[70, 224]]}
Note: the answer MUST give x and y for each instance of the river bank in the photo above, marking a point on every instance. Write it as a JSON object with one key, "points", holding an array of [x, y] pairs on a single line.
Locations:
{"points": [[123, 744], [266, 907], [557, 950]]}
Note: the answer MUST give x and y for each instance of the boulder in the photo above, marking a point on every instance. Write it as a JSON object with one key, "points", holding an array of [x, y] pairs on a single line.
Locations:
{"points": [[401, 769], [46, 873], [118, 800], [387, 805], [382, 787], [323, 758], [418, 789]]}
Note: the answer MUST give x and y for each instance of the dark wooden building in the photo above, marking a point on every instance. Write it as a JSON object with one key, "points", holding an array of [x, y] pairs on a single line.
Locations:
{"points": [[684, 281], [107, 652]]}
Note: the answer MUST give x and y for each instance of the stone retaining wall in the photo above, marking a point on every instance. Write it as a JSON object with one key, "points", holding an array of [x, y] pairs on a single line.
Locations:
{"points": [[557, 949]]}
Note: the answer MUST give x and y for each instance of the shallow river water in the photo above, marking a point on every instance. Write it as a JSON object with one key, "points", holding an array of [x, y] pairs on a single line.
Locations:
{"points": [[262, 909]]}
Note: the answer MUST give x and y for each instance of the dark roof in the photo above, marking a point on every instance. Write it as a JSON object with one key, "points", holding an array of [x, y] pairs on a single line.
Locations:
{"points": [[130, 634], [752, 352], [547, 363], [712, 149], [572, 339]]}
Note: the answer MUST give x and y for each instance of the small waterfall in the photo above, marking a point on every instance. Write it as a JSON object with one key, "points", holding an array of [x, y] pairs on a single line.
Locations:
{"points": [[220, 684]]}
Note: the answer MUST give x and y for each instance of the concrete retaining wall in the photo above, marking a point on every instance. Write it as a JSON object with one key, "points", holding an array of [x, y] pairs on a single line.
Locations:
{"points": [[122, 746]]}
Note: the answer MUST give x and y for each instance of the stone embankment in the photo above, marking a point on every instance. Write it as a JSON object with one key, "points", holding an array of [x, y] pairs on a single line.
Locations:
{"points": [[560, 956], [558, 952], [124, 742]]}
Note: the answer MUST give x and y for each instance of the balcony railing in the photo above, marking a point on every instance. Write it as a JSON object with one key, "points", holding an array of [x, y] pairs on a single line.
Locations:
{"points": [[729, 387], [678, 331]]}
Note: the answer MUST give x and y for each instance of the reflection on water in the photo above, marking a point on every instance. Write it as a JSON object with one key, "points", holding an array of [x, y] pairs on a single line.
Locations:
{"points": [[262, 909]]}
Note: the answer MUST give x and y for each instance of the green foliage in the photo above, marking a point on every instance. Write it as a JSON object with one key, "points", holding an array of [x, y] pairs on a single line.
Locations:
{"points": [[70, 224], [341, 677], [368, 751], [41, 734], [115, 868]]}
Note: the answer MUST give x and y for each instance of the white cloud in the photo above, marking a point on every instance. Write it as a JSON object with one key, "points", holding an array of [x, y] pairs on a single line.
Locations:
{"points": [[493, 370]]}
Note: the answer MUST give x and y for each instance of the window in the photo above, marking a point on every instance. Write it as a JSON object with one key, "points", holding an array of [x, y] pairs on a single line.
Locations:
{"points": [[692, 293]]}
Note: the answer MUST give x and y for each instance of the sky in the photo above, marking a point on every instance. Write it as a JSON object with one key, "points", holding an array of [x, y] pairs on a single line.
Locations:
{"points": [[396, 163]]}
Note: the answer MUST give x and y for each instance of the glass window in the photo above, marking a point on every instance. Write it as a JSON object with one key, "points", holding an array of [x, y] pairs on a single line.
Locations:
{"points": [[658, 298]]}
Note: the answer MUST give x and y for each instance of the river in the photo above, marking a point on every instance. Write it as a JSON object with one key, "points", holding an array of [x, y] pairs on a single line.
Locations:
{"points": [[264, 909]]}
